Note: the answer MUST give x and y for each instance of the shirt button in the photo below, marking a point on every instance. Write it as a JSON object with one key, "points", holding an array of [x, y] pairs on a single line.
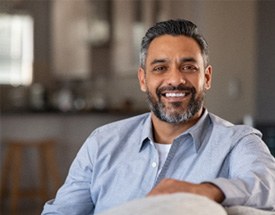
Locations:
{"points": [[154, 164]]}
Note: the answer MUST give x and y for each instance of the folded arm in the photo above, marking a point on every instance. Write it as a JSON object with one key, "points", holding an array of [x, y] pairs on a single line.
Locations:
{"points": [[169, 186], [250, 179]]}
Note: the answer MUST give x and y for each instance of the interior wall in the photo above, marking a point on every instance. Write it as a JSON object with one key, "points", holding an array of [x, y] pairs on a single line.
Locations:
{"points": [[70, 47], [266, 62], [230, 29]]}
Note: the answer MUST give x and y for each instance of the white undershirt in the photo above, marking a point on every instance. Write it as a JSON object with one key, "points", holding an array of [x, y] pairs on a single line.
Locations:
{"points": [[163, 150]]}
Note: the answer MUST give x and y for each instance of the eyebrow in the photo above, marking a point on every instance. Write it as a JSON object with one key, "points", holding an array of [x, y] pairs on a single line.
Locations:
{"points": [[182, 60], [156, 61], [188, 59]]}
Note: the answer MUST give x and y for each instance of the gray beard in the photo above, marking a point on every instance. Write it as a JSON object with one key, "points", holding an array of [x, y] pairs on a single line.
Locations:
{"points": [[159, 109]]}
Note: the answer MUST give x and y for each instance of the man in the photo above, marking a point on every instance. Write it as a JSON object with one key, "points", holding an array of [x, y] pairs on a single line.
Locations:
{"points": [[179, 147]]}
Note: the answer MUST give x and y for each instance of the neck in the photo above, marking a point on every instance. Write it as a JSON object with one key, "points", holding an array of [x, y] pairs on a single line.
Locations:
{"points": [[165, 132]]}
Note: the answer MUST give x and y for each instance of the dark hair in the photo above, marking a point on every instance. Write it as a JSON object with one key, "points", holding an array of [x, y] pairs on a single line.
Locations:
{"points": [[175, 28]]}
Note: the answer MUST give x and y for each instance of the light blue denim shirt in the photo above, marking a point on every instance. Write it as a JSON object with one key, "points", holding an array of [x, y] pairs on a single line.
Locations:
{"points": [[119, 162]]}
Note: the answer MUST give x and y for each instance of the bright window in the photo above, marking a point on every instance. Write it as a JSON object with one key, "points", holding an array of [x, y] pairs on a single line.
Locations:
{"points": [[16, 49]]}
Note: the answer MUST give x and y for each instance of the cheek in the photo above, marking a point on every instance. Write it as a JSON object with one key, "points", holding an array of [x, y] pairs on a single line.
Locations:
{"points": [[201, 84], [151, 86], [196, 82]]}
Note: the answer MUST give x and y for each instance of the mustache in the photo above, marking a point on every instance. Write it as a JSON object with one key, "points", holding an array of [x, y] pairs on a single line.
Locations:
{"points": [[180, 87]]}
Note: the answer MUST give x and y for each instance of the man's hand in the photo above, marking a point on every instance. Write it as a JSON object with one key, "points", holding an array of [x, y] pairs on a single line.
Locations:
{"points": [[168, 186]]}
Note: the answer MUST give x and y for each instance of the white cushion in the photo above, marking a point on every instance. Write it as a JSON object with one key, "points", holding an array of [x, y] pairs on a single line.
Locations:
{"points": [[243, 210], [172, 204]]}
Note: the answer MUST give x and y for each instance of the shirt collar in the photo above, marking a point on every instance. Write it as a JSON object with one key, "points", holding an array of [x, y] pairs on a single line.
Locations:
{"points": [[147, 132], [198, 131]]}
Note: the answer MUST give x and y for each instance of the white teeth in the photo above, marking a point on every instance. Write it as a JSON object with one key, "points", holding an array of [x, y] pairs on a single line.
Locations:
{"points": [[175, 94]]}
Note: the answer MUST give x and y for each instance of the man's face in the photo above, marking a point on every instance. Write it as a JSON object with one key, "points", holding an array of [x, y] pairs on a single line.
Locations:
{"points": [[175, 78]]}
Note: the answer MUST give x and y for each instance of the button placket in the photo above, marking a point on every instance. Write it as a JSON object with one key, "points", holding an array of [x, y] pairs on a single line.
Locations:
{"points": [[169, 158]]}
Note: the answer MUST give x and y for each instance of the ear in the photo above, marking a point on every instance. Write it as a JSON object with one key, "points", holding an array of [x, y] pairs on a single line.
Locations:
{"points": [[208, 77], [141, 78]]}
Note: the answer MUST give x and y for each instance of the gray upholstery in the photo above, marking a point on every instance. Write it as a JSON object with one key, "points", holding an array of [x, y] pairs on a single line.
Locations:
{"points": [[242, 210], [180, 204], [176, 204]]}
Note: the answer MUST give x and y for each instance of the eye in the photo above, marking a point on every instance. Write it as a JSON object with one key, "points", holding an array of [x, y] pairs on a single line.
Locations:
{"points": [[189, 68], [159, 68]]}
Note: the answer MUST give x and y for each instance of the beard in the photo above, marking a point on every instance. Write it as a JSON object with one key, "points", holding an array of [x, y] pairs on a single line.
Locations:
{"points": [[176, 113]]}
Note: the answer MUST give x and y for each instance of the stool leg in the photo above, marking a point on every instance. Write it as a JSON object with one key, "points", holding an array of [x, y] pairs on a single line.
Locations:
{"points": [[5, 173], [15, 177], [52, 167], [10, 178], [43, 186]]}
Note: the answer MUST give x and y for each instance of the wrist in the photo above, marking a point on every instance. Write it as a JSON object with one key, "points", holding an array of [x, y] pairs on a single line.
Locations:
{"points": [[213, 192]]}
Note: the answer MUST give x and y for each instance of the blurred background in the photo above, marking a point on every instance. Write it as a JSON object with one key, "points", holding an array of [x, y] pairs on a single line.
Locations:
{"points": [[69, 66]]}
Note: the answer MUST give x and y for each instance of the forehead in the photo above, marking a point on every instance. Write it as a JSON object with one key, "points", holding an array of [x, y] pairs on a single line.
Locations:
{"points": [[169, 46]]}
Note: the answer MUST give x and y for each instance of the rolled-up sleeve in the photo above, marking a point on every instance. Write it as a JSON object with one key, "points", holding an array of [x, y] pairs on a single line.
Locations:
{"points": [[251, 175]]}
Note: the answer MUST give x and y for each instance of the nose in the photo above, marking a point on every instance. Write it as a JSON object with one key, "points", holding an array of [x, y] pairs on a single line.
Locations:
{"points": [[176, 77]]}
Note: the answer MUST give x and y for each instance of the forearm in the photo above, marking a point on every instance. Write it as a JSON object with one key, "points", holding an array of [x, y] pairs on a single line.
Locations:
{"points": [[169, 186], [211, 191]]}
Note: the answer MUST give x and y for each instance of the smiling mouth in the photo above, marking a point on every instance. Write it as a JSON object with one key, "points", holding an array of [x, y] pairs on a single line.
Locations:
{"points": [[175, 94]]}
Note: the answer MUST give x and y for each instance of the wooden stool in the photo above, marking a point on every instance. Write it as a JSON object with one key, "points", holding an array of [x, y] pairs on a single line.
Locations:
{"points": [[12, 170]]}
